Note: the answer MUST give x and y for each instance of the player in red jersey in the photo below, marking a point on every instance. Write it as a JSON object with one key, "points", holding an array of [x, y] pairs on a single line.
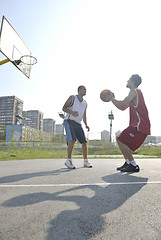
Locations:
{"points": [[134, 135]]}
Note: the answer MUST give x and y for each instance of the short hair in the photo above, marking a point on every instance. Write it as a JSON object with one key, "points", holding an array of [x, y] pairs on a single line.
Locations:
{"points": [[79, 88], [137, 79]]}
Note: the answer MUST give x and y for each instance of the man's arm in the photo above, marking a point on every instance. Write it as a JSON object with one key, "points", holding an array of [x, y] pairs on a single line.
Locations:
{"points": [[85, 120], [124, 104], [67, 105]]}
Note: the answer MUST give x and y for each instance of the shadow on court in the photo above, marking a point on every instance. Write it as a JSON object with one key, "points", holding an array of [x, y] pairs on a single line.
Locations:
{"points": [[87, 221], [20, 177]]}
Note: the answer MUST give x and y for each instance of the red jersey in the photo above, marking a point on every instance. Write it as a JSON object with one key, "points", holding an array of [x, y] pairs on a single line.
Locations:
{"points": [[139, 116]]}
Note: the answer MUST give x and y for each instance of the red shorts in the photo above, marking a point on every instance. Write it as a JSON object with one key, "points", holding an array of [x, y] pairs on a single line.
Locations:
{"points": [[132, 138]]}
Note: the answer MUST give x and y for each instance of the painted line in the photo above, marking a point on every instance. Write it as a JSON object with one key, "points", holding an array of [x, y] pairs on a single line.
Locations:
{"points": [[155, 172], [75, 184]]}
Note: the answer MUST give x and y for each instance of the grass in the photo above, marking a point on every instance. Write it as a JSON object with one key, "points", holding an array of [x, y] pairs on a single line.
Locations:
{"points": [[147, 151], [31, 154], [151, 151], [37, 154]]}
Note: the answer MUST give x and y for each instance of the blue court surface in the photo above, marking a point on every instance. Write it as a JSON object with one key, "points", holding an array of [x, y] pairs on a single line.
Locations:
{"points": [[43, 200]]}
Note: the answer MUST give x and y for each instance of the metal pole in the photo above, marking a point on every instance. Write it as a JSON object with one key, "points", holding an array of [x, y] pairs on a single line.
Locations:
{"points": [[12, 138], [111, 117], [4, 61], [111, 130], [40, 141]]}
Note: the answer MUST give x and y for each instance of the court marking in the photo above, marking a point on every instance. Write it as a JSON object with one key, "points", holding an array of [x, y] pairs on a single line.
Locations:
{"points": [[155, 172], [75, 184]]}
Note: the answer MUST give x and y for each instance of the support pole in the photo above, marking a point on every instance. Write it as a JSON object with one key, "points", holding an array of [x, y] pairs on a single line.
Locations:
{"points": [[4, 61], [111, 117]]}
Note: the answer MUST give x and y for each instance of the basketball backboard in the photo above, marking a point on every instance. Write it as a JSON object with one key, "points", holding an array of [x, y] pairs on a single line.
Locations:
{"points": [[13, 47]]}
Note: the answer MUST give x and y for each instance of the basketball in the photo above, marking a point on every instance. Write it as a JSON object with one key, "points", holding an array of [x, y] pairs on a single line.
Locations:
{"points": [[105, 95]]}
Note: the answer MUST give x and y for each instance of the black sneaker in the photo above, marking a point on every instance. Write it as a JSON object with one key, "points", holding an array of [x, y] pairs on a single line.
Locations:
{"points": [[123, 166], [131, 168]]}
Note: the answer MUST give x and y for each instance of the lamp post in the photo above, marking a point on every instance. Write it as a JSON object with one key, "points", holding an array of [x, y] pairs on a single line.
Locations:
{"points": [[61, 115], [111, 117]]}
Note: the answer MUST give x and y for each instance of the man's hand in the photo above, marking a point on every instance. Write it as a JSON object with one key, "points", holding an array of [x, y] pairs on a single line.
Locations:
{"points": [[112, 95], [124, 104], [87, 127], [74, 114]]}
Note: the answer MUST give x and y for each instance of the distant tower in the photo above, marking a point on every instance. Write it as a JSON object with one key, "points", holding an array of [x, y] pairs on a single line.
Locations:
{"points": [[49, 125], [59, 129], [33, 119], [11, 109]]}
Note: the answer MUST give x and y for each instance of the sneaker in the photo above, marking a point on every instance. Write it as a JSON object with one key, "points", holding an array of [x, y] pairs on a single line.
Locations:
{"points": [[123, 166], [69, 164], [87, 164], [131, 168]]}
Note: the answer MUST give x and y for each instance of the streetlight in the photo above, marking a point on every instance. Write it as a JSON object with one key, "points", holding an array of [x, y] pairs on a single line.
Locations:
{"points": [[111, 117], [61, 115]]}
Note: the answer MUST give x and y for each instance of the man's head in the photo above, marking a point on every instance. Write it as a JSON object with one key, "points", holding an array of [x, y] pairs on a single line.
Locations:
{"points": [[134, 81], [82, 90]]}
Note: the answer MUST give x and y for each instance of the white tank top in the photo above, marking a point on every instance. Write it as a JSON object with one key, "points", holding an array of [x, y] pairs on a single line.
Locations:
{"points": [[78, 106]]}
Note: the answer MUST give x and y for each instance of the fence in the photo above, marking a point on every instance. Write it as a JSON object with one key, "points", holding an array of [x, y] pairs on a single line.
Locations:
{"points": [[23, 137], [16, 137]]}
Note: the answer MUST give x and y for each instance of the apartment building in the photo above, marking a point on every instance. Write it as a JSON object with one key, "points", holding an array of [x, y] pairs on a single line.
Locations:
{"points": [[49, 125], [33, 119], [11, 109], [59, 129]]}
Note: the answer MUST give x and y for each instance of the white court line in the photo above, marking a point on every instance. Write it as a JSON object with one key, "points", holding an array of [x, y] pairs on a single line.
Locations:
{"points": [[155, 172], [75, 184]]}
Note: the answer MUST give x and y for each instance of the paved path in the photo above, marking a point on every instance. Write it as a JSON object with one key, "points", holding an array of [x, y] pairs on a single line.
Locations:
{"points": [[42, 200]]}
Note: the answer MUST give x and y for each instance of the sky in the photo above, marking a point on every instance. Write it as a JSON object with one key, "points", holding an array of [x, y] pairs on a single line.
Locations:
{"points": [[96, 43]]}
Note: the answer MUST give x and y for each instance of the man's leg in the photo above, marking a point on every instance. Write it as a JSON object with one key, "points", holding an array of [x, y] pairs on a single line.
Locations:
{"points": [[130, 164], [70, 135], [126, 151], [68, 162], [82, 139], [84, 150], [70, 148]]}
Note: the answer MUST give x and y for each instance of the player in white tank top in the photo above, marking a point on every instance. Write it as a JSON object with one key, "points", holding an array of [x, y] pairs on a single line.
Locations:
{"points": [[78, 106], [75, 107]]}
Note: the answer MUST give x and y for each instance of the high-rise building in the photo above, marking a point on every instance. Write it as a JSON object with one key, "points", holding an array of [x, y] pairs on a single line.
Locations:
{"points": [[33, 119], [59, 129], [49, 125], [11, 109]]}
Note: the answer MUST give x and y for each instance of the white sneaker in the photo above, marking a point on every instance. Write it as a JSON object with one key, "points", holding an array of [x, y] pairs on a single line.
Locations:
{"points": [[69, 164], [87, 164]]}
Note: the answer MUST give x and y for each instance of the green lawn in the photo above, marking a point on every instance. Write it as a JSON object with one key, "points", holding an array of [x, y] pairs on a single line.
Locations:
{"points": [[37, 154], [150, 151], [31, 154]]}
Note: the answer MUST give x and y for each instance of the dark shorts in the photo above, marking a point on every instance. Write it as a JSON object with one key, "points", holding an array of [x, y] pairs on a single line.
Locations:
{"points": [[74, 131], [132, 138]]}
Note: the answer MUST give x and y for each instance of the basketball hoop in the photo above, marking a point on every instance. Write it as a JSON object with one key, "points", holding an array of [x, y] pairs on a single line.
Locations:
{"points": [[15, 49], [26, 59]]}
